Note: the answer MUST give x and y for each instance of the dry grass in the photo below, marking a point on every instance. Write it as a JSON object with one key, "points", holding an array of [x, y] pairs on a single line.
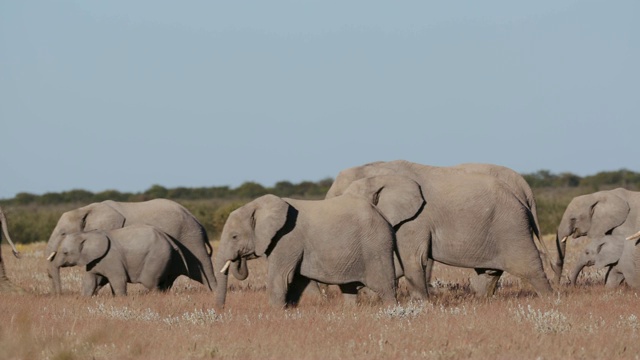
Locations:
{"points": [[584, 322]]}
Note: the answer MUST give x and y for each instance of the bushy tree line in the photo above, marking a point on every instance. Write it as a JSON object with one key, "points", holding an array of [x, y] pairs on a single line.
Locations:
{"points": [[32, 217], [606, 179], [305, 189]]}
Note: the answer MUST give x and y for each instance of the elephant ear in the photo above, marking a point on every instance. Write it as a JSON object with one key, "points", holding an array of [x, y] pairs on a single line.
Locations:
{"points": [[397, 197], [608, 212], [348, 176], [608, 251], [102, 217], [269, 216], [93, 246]]}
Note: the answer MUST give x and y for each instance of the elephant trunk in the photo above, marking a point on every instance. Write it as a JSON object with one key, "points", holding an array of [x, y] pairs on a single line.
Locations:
{"points": [[584, 261], [241, 271], [54, 274], [223, 278], [5, 230]]}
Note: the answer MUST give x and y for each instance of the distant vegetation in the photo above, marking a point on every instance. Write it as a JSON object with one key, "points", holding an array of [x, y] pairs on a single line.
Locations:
{"points": [[32, 217]]}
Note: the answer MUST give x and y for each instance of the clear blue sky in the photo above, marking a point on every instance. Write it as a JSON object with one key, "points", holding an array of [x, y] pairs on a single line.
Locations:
{"points": [[122, 95]]}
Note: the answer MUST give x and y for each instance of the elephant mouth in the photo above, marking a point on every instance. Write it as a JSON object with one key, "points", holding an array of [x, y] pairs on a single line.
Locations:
{"points": [[228, 263], [577, 234]]}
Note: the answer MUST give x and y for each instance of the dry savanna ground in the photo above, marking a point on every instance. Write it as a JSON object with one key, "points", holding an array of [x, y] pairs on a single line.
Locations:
{"points": [[583, 322]]}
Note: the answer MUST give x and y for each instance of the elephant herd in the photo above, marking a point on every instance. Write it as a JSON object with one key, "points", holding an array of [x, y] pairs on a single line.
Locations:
{"points": [[378, 222]]}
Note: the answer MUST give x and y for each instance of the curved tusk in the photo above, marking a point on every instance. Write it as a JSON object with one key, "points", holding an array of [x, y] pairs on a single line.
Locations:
{"points": [[51, 256], [564, 239], [226, 266], [635, 236]]}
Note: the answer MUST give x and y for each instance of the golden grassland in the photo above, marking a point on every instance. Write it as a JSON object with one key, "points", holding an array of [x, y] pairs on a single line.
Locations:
{"points": [[583, 322]]}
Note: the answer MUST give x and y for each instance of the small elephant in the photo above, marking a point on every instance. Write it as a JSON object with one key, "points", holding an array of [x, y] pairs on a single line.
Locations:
{"points": [[345, 241], [620, 256], [132, 254], [166, 215], [615, 212]]}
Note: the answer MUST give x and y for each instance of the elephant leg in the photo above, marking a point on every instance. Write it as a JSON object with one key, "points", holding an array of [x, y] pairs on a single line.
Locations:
{"points": [[385, 285], [152, 276], [119, 287], [416, 275], [486, 282], [90, 282], [102, 282], [613, 278], [118, 282], [537, 279], [278, 284], [296, 288], [428, 269]]}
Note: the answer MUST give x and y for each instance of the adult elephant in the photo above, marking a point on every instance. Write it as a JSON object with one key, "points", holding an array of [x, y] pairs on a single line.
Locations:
{"points": [[472, 218], [5, 284], [166, 215], [615, 212]]}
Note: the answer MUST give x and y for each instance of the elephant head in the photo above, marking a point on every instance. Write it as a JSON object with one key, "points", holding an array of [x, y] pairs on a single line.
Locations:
{"points": [[601, 252], [81, 248], [247, 233], [96, 216], [594, 215]]}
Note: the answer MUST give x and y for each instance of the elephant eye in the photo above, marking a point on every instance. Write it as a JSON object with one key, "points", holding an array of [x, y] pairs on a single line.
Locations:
{"points": [[600, 247]]}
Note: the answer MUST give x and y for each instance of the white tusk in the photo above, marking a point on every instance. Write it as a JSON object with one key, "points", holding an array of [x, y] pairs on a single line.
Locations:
{"points": [[635, 236], [51, 256], [226, 266], [564, 239]]}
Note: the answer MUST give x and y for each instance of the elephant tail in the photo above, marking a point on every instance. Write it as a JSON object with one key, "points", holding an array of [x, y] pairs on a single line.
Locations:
{"points": [[177, 249], [535, 227]]}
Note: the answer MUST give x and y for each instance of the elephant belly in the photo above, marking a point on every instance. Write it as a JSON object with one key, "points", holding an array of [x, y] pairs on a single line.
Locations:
{"points": [[340, 269], [469, 254]]}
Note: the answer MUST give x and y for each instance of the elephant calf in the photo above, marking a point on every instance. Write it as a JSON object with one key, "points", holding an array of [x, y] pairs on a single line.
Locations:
{"points": [[132, 254], [346, 241], [620, 256]]}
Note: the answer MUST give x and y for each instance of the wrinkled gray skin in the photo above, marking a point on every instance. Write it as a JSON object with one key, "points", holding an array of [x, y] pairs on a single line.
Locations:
{"points": [[473, 218], [615, 212], [168, 216], [139, 254], [5, 284], [345, 241], [621, 257]]}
